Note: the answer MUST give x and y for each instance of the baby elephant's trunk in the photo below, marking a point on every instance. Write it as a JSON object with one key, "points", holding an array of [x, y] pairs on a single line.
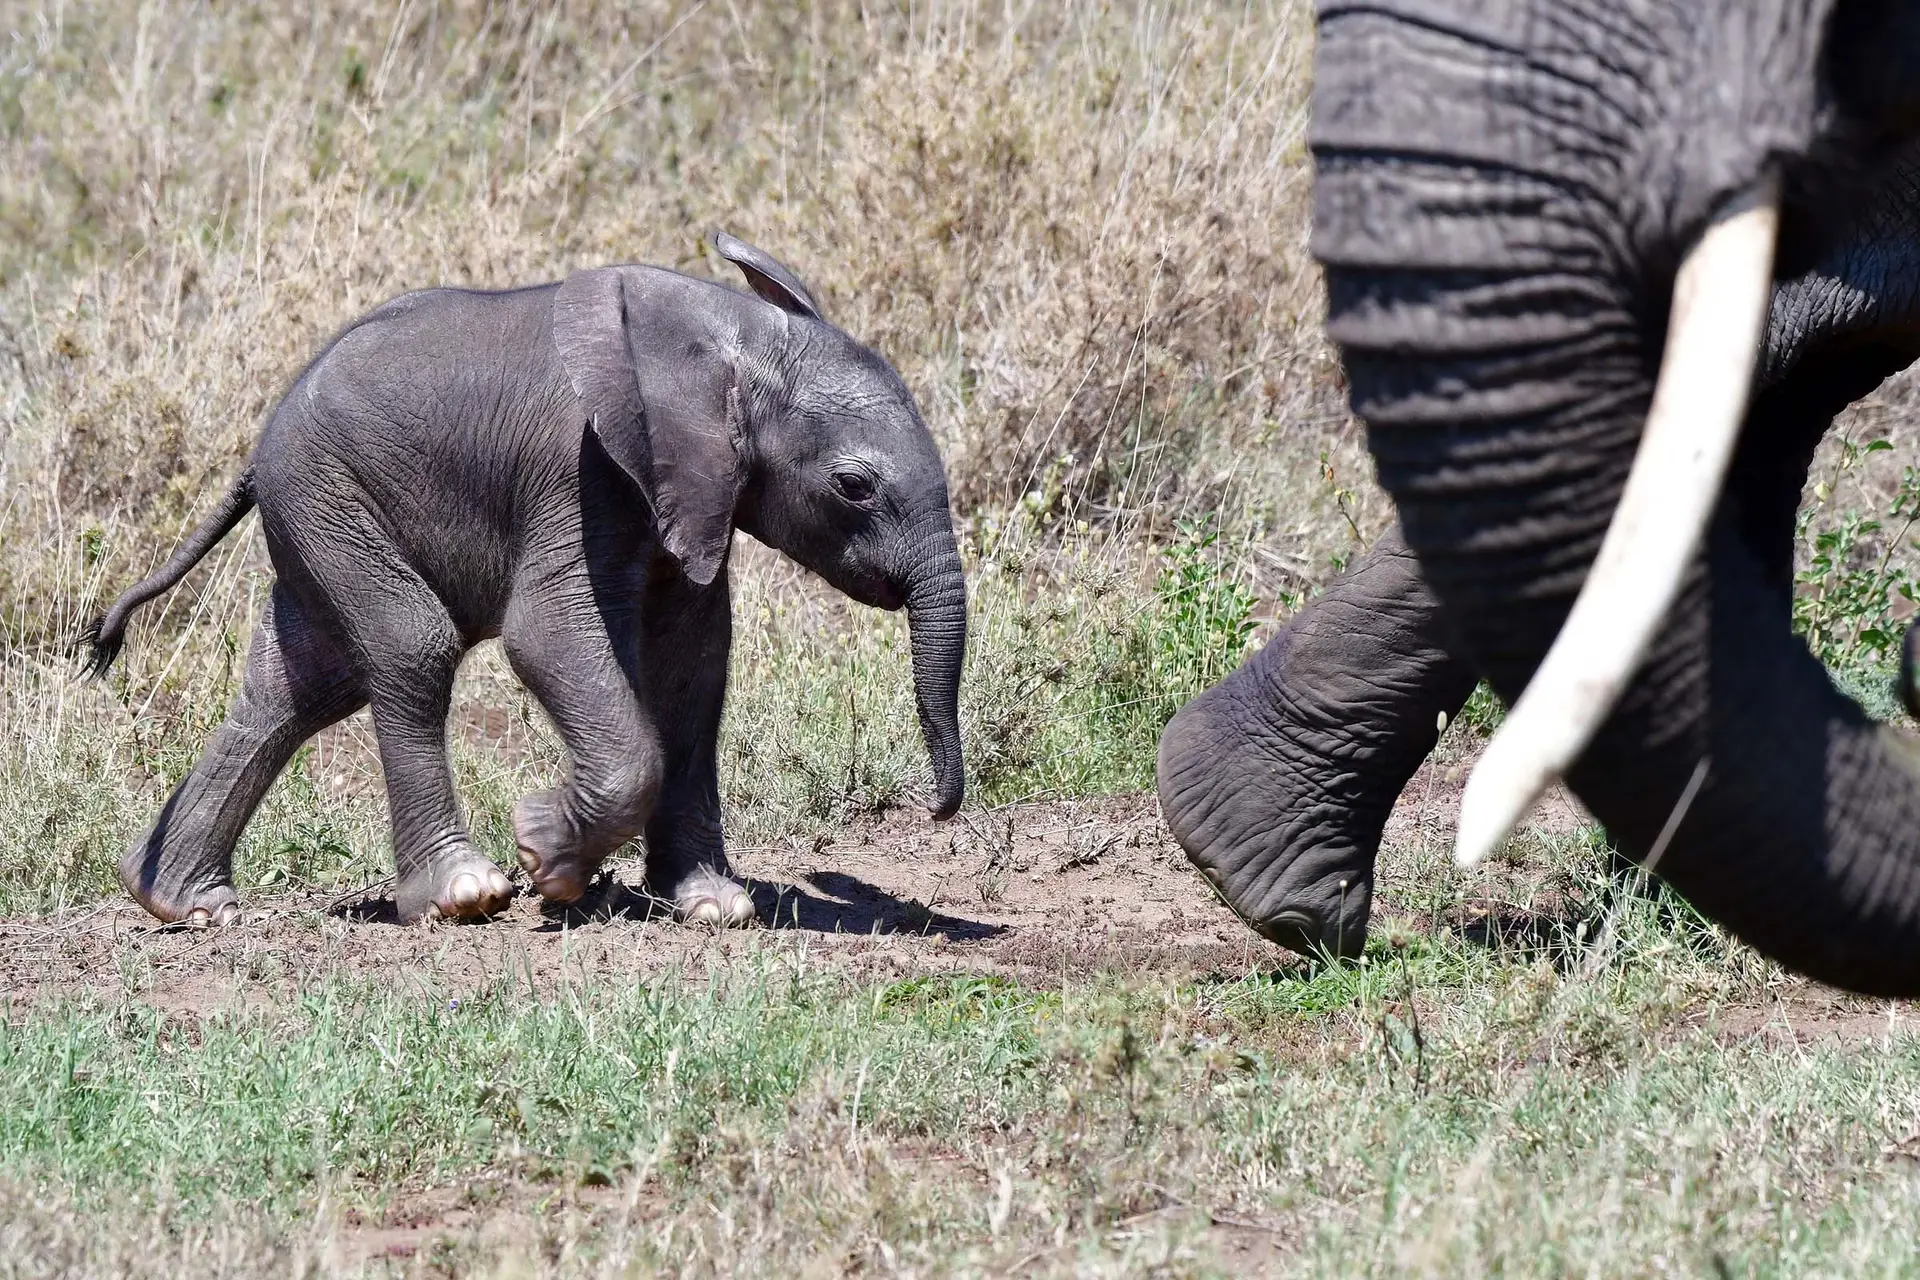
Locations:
{"points": [[937, 618]]}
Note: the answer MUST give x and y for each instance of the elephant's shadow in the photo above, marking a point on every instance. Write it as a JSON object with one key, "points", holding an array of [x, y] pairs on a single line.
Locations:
{"points": [[1560, 936], [848, 904], [1566, 932], [842, 904]]}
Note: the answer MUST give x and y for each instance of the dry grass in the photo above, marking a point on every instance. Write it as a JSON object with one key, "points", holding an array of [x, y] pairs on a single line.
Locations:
{"points": [[1079, 230], [1081, 235]]}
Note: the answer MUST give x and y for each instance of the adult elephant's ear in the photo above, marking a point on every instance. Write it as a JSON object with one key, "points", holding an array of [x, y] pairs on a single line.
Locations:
{"points": [[767, 276], [660, 387]]}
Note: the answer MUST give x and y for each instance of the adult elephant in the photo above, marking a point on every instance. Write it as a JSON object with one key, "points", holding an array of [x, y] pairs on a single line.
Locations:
{"points": [[1519, 207]]}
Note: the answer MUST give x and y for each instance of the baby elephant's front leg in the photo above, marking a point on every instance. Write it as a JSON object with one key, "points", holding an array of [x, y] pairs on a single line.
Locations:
{"points": [[687, 632], [571, 666]]}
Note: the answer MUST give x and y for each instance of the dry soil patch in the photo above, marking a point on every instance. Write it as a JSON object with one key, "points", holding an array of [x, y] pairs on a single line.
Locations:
{"points": [[1034, 891]]}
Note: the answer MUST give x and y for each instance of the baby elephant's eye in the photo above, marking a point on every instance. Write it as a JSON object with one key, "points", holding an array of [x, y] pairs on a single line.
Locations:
{"points": [[854, 486]]}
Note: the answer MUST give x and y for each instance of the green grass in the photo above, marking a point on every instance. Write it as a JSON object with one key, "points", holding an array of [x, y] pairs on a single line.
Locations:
{"points": [[1436, 1106], [366, 1088]]}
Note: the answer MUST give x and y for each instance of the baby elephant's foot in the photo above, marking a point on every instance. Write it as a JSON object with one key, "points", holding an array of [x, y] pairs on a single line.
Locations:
{"points": [[205, 904], [460, 888], [706, 896], [549, 850], [208, 909]]}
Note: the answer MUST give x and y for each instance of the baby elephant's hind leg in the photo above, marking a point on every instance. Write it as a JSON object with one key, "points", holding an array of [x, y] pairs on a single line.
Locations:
{"points": [[406, 649], [297, 683], [410, 679]]}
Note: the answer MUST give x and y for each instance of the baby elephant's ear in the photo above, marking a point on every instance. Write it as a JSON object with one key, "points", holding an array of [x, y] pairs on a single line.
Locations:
{"points": [[662, 397], [767, 276]]}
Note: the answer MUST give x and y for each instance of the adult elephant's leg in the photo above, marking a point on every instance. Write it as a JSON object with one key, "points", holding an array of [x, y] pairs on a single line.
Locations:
{"points": [[576, 653], [686, 633], [297, 683], [1278, 781]]}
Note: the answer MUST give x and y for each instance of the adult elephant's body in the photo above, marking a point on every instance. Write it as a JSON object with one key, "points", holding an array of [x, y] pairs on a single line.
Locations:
{"points": [[1504, 194]]}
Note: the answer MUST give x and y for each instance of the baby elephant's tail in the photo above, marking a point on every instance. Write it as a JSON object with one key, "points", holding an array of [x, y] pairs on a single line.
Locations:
{"points": [[103, 636]]}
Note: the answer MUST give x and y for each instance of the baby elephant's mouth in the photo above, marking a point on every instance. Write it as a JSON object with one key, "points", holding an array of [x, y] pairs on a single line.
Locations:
{"points": [[878, 591]]}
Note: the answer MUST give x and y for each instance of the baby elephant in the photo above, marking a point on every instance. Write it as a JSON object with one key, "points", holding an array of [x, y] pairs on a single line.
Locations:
{"points": [[561, 466]]}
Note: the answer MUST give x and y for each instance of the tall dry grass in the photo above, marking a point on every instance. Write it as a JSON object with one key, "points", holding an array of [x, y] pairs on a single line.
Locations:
{"points": [[1078, 229]]}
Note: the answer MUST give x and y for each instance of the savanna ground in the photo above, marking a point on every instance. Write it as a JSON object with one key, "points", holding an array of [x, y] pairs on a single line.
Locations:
{"points": [[1026, 1041]]}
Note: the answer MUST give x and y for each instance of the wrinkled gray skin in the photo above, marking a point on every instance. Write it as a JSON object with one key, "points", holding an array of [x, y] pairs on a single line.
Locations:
{"points": [[563, 467], [1279, 780], [1504, 191]]}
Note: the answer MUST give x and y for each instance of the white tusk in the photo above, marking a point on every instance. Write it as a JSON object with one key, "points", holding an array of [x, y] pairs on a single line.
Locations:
{"points": [[1720, 299]]}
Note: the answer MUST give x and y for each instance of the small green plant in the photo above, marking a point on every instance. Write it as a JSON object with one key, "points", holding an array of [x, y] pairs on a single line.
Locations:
{"points": [[1343, 501], [1203, 618], [1844, 600], [1070, 687], [1483, 712]]}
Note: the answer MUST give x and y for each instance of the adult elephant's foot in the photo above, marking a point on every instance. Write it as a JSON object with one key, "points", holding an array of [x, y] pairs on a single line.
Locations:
{"points": [[1277, 782], [1268, 824], [703, 894], [205, 901], [461, 886], [550, 851]]}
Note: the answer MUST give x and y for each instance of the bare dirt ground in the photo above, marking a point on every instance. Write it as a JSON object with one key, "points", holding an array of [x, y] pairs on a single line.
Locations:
{"points": [[1036, 891], [1033, 891]]}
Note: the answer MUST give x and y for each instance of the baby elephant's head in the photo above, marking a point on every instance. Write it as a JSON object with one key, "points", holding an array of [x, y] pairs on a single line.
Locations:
{"points": [[752, 411]]}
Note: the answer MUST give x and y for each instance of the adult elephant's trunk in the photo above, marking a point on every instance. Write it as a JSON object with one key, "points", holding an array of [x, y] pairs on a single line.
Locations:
{"points": [[1719, 316], [937, 619], [1498, 257]]}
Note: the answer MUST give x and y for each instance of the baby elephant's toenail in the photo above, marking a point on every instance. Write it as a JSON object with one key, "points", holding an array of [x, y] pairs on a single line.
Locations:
{"points": [[465, 891], [226, 914], [199, 916], [497, 885], [708, 912], [560, 888], [529, 861], [740, 909]]}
